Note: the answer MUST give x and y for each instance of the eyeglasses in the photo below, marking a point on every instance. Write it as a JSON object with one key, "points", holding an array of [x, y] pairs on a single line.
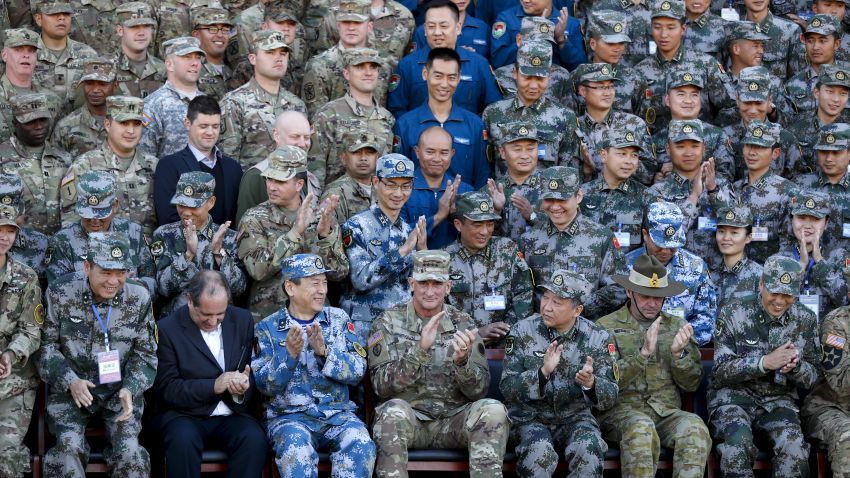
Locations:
{"points": [[600, 88], [216, 30], [394, 187]]}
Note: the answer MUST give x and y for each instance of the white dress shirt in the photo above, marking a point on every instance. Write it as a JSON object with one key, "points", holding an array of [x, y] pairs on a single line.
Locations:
{"points": [[215, 343]]}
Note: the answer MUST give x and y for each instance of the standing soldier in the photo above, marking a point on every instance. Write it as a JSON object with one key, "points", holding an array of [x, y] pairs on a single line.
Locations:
{"points": [[359, 155], [23, 315], [429, 368], [93, 24], [704, 31], [822, 43], [212, 27], [738, 276], [30, 246], [657, 359], [784, 35], [139, 73], [634, 19], [173, 19], [522, 183], [745, 49], [764, 351]]}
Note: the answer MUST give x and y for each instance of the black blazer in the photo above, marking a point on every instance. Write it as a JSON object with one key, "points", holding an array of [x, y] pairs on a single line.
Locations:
{"points": [[187, 370], [168, 172]]}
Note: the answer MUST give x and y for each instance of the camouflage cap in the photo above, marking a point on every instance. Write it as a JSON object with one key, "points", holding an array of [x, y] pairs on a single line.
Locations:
{"points": [[98, 69], [280, 11], [124, 108], [476, 206], [132, 14], [738, 216], [285, 162], [95, 194], [833, 137], [684, 76], [745, 30], [834, 74], [109, 250], [537, 28], [648, 276], [303, 265], [206, 16], [823, 24], [357, 140], [683, 130], [560, 182], [431, 265], [182, 46], [394, 165], [534, 58], [609, 25], [50, 7], [595, 72], [21, 37], [354, 11], [809, 202], [11, 190], [674, 9], [194, 189], [358, 56], [761, 133], [754, 84], [621, 138], [8, 216], [665, 223], [516, 131], [568, 285], [29, 107], [782, 275], [268, 40]]}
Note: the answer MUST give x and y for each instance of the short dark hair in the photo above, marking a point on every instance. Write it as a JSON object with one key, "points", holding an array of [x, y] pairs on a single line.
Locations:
{"points": [[207, 282], [442, 4], [445, 54], [202, 104]]}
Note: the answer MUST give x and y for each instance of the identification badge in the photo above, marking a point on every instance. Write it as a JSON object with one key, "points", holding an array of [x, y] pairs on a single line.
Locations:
{"points": [[624, 238], [845, 229], [652, 47], [760, 233], [541, 151], [494, 302], [677, 312], [812, 302], [730, 15], [706, 224], [108, 367]]}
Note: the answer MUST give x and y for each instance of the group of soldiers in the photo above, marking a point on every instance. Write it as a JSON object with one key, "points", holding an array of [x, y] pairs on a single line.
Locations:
{"points": [[598, 187]]}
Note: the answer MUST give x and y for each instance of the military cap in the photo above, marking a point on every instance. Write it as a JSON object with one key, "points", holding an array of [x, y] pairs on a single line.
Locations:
{"points": [[674, 9], [354, 11], [476, 206], [537, 28], [124, 108], [279, 12], [516, 131], [268, 40], [109, 250], [29, 107], [358, 56], [833, 137], [50, 7], [754, 84], [394, 165], [431, 265], [620, 138], [761, 133], [182, 46], [11, 189], [21, 37], [665, 223], [568, 285], [560, 182], [98, 69], [285, 162], [611, 26], [534, 58], [95, 194], [595, 72], [8, 216], [738, 216], [782, 275], [823, 24], [357, 140], [193, 189], [746, 30], [302, 265], [834, 74], [133, 14], [685, 75], [809, 202], [206, 16], [683, 130], [648, 277]]}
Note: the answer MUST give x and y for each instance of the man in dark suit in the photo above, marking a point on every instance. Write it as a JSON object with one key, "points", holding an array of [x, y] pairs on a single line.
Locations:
{"points": [[203, 120], [204, 383]]}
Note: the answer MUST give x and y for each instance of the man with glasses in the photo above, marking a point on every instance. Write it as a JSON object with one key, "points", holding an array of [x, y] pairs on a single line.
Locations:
{"points": [[212, 26]]}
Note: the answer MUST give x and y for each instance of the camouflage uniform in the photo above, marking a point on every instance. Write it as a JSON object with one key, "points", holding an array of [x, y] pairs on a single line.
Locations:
{"points": [[513, 225], [40, 168], [80, 131], [214, 78], [69, 247], [742, 279], [173, 18], [152, 77], [706, 34], [638, 21], [799, 100], [427, 399], [790, 160], [354, 197], [93, 24], [784, 34], [392, 29], [30, 246], [266, 237], [21, 317], [743, 397], [71, 340], [556, 411], [307, 403], [134, 175], [752, 82], [800, 59]]}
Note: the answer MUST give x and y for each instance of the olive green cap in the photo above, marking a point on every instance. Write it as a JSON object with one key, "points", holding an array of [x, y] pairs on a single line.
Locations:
{"points": [[476, 206], [568, 285], [193, 189], [745, 30], [29, 107], [754, 84], [833, 137], [534, 58], [133, 14], [595, 72], [109, 250], [683, 130], [834, 74], [516, 131], [809, 202], [674, 9], [611, 26], [621, 138], [431, 265], [782, 275], [125, 108], [739, 216], [823, 25], [560, 182], [95, 194], [285, 162], [684, 76], [537, 28], [761, 133]]}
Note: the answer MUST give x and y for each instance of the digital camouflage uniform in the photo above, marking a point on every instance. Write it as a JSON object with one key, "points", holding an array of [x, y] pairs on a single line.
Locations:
{"points": [[354, 197], [168, 246], [553, 415], [784, 34], [742, 279], [427, 400], [153, 75], [513, 224], [134, 176], [214, 78], [740, 84], [93, 24], [71, 339], [706, 34], [637, 24], [799, 100], [30, 246], [743, 397], [307, 404], [392, 29], [80, 131]]}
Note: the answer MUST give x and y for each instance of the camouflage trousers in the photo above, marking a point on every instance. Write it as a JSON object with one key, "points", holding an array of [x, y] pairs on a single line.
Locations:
{"points": [[15, 415], [642, 432], [482, 427], [831, 425], [123, 454], [296, 443], [580, 438], [733, 427]]}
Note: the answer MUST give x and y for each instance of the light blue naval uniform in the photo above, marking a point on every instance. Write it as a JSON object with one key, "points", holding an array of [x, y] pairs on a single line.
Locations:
{"points": [[307, 404]]}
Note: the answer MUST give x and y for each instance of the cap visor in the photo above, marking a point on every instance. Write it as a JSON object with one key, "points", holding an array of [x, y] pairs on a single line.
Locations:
{"points": [[180, 200], [430, 276], [187, 51], [351, 17], [127, 117], [482, 216], [33, 116], [89, 212], [111, 265], [534, 71], [134, 22], [618, 38], [673, 287], [278, 175], [782, 289], [661, 241]]}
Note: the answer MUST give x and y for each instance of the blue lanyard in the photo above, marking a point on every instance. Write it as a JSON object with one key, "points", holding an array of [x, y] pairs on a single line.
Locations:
{"points": [[104, 328], [808, 268]]}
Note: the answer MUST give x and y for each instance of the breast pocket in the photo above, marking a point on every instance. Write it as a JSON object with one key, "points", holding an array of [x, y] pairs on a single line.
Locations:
{"points": [[468, 90]]}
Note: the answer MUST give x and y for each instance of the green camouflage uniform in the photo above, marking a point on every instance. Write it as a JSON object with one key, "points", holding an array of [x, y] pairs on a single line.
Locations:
{"points": [[80, 131], [354, 197], [755, 83], [706, 34], [30, 246], [173, 18], [153, 75], [742, 279], [784, 35], [637, 16], [392, 29], [93, 24], [799, 99], [513, 225], [214, 78]]}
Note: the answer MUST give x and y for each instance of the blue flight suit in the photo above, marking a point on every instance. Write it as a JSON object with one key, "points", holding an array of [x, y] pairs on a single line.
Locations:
{"points": [[488, 10], [467, 130], [503, 47], [424, 201], [474, 34]]}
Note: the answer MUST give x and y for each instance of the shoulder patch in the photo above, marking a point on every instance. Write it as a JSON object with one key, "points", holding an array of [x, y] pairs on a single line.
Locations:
{"points": [[309, 92], [374, 339], [509, 346], [68, 178], [243, 232], [346, 238], [359, 349], [394, 81], [146, 120], [39, 314], [498, 30], [48, 255], [157, 248]]}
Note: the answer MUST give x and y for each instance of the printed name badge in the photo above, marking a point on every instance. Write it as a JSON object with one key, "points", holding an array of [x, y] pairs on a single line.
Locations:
{"points": [[109, 367], [845, 229], [812, 302], [760, 233], [494, 302], [706, 224], [730, 15], [652, 47], [541, 151], [624, 238]]}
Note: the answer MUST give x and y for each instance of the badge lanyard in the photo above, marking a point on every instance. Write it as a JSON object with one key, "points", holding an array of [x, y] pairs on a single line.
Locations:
{"points": [[103, 327]]}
